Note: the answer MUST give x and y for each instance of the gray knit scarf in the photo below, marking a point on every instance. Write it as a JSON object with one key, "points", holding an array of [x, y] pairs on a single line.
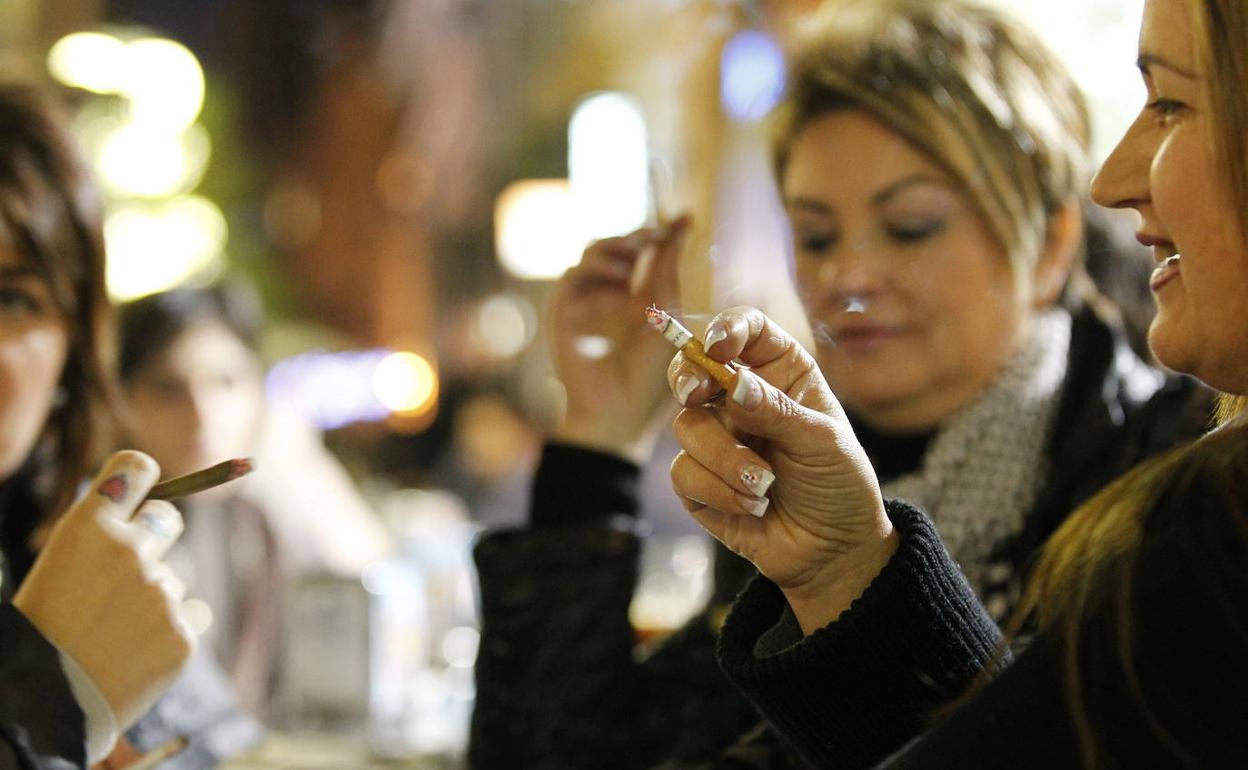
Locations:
{"points": [[983, 469]]}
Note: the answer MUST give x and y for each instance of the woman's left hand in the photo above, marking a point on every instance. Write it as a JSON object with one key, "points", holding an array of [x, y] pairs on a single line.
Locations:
{"points": [[818, 530]]}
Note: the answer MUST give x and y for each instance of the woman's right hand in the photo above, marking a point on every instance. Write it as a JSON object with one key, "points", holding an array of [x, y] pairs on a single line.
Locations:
{"points": [[606, 355], [776, 473], [101, 593]]}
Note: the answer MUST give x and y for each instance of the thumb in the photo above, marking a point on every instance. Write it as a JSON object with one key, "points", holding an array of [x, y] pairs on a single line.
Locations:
{"points": [[118, 488]]}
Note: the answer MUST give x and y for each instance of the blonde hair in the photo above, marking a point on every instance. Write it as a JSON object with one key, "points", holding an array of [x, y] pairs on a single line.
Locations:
{"points": [[1088, 566], [977, 93]]}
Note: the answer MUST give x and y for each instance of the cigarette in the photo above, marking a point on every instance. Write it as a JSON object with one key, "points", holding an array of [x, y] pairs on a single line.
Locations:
{"points": [[200, 480], [691, 346], [159, 754], [656, 217]]}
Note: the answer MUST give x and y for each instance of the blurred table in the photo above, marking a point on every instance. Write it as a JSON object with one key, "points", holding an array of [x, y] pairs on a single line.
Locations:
{"points": [[315, 751]]}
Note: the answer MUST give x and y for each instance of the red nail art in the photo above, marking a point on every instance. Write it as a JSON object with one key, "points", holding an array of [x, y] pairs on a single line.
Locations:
{"points": [[114, 488]]}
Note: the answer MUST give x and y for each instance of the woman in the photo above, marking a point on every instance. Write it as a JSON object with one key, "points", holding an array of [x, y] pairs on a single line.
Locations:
{"points": [[193, 383], [932, 245], [864, 626], [91, 621]]}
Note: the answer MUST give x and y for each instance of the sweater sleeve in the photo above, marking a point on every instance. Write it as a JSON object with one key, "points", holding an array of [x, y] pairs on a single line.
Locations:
{"points": [[41, 725], [856, 690], [560, 681]]}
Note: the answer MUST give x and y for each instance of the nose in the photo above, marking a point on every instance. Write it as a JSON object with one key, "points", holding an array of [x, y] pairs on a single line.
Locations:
{"points": [[856, 270], [1122, 181]]}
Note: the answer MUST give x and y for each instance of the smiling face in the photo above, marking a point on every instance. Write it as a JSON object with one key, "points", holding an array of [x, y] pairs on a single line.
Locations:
{"points": [[34, 343], [914, 304], [1164, 169]]}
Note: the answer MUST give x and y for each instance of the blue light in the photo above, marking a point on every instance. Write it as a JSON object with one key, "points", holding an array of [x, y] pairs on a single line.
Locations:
{"points": [[330, 389], [751, 75]]}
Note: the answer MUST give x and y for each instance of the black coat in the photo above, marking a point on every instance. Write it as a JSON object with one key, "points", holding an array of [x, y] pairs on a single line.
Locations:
{"points": [[560, 683]]}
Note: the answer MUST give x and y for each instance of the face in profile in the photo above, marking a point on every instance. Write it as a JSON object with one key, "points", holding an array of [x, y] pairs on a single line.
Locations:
{"points": [[912, 301], [34, 343], [198, 401], [1164, 169]]}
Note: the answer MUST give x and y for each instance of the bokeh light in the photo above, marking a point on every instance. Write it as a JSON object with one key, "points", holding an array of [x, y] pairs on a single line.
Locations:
{"points": [[405, 383], [535, 238]]}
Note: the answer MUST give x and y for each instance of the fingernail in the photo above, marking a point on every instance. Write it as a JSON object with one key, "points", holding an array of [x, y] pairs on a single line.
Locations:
{"points": [[747, 391], [756, 506], [686, 383], [757, 480], [715, 333]]}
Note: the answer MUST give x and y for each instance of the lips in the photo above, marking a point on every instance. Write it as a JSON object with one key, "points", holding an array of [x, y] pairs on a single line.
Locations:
{"points": [[1167, 271], [864, 337]]}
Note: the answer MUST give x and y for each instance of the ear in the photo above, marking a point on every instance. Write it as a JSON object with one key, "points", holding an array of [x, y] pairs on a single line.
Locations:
{"points": [[1062, 246]]}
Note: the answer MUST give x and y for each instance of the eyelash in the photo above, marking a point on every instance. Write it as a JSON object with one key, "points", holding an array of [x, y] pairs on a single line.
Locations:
{"points": [[12, 299], [900, 234], [1166, 108]]}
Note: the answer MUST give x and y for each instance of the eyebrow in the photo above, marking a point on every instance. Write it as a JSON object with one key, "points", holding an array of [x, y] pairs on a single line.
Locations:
{"points": [[1149, 60], [878, 199]]}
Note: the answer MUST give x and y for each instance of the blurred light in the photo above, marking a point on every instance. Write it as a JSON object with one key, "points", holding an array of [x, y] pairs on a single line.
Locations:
{"points": [[459, 646], [149, 162], [505, 325], [198, 615], [156, 247], [592, 346], [405, 383], [164, 82], [751, 75], [534, 235], [330, 389], [89, 60], [608, 166]]}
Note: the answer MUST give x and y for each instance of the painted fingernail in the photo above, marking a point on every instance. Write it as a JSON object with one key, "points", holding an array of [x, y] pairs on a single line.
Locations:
{"points": [[747, 391], [114, 488], [756, 506], [715, 333], [686, 383], [757, 480]]}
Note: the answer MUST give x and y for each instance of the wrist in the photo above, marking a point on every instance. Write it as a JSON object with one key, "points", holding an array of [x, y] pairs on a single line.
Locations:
{"points": [[825, 597]]}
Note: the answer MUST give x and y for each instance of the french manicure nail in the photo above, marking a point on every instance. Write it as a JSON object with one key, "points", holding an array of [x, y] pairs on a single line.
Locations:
{"points": [[757, 480], [714, 333], [686, 383], [747, 391], [756, 506]]}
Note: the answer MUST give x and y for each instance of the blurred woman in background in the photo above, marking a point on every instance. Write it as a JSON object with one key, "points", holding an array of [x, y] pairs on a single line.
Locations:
{"points": [[193, 383], [931, 157]]}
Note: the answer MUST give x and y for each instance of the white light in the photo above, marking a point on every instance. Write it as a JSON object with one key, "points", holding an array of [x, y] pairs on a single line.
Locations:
{"points": [[505, 324], [459, 646], [164, 82], [89, 60], [751, 75], [405, 383], [534, 235], [153, 248], [592, 346], [608, 165], [140, 160]]}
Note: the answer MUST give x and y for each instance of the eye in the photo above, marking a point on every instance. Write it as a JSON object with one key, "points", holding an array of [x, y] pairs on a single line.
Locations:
{"points": [[1164, 109], [14, 300], [914, 231], [815, 243]]}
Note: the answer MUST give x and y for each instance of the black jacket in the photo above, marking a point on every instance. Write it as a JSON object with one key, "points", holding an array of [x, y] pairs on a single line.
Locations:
{"points": [[559, 681]]}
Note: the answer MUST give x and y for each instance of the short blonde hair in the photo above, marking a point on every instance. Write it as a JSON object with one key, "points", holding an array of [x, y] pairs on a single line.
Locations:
{"points": [[978, 94]]}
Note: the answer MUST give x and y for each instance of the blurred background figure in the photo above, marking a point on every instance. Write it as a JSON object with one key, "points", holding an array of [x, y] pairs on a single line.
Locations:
{"points": [[194, 385]]}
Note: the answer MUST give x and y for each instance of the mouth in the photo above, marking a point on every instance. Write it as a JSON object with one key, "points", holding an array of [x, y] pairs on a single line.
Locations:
{"points": [[864, 338], [1167, 271]]}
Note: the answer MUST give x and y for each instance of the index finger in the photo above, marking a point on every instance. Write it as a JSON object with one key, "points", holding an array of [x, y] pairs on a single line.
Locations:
{"points": [[746, 334], [119, 487]]}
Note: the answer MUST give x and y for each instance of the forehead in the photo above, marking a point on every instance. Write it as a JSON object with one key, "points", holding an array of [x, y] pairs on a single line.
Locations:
{"points": [[856, 145], [1166, 32]]}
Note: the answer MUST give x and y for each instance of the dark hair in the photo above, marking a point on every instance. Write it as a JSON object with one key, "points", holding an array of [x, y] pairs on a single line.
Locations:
{"points": [[50, 215], [151, 324]]}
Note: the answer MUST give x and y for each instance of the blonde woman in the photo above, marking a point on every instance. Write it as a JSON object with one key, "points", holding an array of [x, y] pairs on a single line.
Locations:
{"points": [[864, 627], [931, 156]]}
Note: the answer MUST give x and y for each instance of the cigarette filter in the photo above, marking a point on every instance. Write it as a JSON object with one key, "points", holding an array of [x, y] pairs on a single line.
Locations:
{"points": [[674, 332]]}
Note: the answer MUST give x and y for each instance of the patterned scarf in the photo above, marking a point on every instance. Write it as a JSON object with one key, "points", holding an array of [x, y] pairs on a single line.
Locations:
{"points": [[986, 464]]}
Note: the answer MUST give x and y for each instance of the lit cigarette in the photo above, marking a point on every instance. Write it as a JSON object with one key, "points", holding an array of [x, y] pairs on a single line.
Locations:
{"points": [[200, 480], [159, 754], [680, 337]]}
